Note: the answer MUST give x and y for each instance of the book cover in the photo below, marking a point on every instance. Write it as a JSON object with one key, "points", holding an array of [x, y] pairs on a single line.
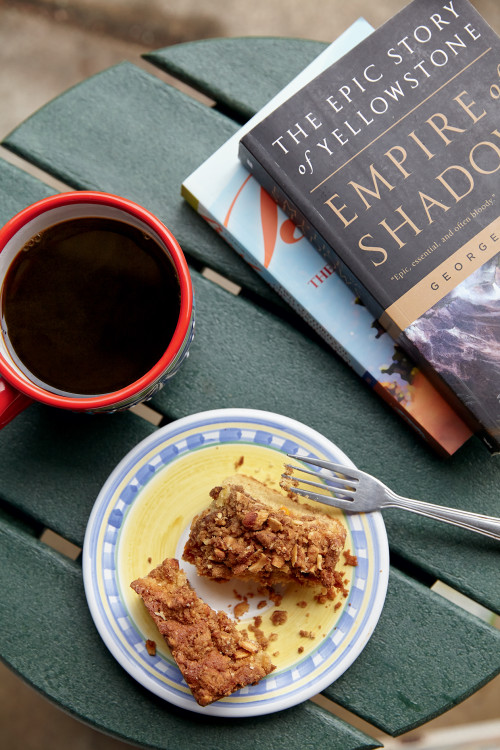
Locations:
{"points": [[236, 207], [388, 161]]}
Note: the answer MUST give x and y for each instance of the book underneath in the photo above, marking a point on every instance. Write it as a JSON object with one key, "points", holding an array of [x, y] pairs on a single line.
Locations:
{"points": [[388, 162]]}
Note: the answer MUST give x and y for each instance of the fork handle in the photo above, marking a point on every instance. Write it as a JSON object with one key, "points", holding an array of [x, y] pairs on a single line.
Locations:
{"points": [[487, 525]]}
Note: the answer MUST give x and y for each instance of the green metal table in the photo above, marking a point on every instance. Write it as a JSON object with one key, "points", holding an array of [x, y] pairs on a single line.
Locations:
{"points": [[128, 132]]}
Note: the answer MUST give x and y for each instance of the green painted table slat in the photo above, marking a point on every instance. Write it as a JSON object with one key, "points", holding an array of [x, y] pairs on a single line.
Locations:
{"points": [[260, 67], [46, 459], [426, 654], [18, 189], [416, 678], [49, 638]]}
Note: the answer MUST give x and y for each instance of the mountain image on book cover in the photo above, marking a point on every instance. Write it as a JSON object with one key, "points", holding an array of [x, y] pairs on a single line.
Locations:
{"points": [[389, 163], [460, 337]]}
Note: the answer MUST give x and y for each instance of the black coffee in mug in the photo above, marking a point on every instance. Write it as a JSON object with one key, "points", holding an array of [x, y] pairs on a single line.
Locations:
{"points": [[89, 305]]}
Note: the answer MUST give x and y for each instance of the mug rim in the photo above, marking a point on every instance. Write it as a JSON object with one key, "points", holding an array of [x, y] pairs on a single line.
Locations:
{"points": [[153, 375]]}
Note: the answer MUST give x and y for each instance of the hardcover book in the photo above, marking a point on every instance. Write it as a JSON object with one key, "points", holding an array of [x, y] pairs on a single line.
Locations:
{"points": [[235, 206], [389, 161]]}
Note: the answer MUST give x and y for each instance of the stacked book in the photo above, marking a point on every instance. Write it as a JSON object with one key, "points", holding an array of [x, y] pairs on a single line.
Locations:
{"points": [[293, 262]]}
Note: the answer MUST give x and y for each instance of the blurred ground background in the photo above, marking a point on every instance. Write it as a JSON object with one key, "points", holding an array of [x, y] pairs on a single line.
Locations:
{"points": [[47, 46]]}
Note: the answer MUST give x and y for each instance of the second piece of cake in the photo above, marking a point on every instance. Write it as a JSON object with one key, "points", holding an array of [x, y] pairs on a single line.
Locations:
{"points": [[215, 658], [253, 532]]}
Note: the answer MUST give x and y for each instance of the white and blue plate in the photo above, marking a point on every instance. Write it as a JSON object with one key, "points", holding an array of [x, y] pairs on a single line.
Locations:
{"points": [[143, 514]]}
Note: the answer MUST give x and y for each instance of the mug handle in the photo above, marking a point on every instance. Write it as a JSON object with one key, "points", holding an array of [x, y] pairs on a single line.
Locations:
{"points": [[12, 402]]}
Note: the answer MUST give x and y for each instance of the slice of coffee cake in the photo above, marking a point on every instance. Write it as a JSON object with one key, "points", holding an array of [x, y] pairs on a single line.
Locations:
{"points": [[253, 532], [215, 658]]}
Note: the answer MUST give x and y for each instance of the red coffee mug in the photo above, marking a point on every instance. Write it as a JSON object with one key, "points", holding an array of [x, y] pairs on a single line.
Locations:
{"points": [[17, 391]]}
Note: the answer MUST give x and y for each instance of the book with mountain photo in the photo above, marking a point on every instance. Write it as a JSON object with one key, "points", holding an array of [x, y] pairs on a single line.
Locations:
{"points": [[240, 210], [389, 162]]}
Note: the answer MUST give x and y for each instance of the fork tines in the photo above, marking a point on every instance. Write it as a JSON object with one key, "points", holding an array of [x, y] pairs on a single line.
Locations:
{"points": [[335, 480]]}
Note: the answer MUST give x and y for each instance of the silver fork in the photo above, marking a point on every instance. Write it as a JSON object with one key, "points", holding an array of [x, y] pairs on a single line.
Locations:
{"points": [[358, 492]]}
